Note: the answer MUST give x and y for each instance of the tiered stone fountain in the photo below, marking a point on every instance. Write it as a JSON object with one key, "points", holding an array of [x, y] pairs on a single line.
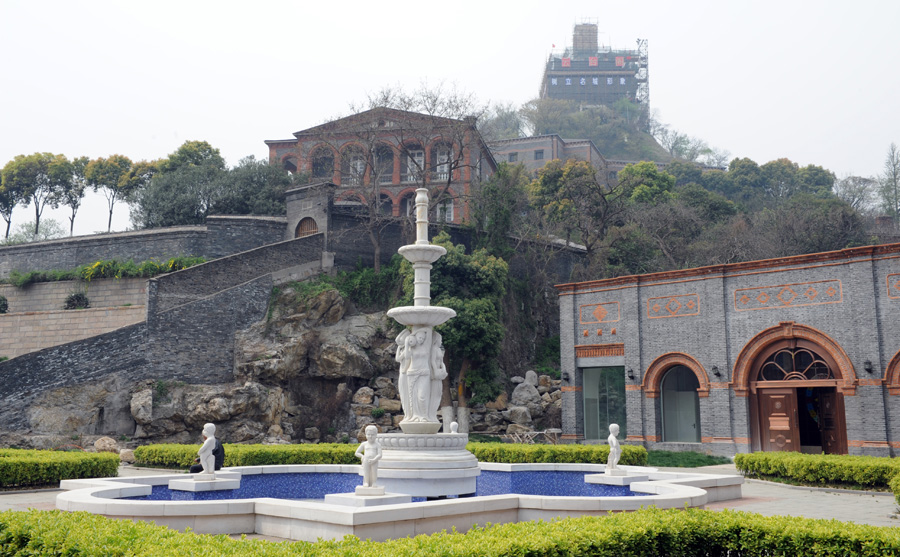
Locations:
{"points": [[420, 461]]}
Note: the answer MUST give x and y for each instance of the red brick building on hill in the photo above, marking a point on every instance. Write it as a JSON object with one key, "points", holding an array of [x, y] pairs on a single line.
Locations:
{"points": [[379, 157]]}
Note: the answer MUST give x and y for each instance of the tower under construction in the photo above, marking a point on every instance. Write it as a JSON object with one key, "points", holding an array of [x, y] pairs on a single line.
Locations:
{"points": [[594, 74]]}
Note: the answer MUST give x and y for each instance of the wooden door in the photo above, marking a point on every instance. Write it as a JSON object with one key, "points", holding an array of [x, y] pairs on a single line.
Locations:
{"points": [[831, 409], [778, 420]]}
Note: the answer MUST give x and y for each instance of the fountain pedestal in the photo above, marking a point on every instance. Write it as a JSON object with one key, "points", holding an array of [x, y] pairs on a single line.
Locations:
{"points": [[427, 465]]}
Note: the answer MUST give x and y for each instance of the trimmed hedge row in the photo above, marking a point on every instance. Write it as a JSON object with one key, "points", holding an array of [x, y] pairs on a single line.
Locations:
{"points": [[181, 456], [24, 468], [645, 532], [582, 454], [854, 471], [863, 471]]}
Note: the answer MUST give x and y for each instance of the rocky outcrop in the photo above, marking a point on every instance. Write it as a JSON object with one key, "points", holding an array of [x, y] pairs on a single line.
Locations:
{"points": [[312, 371]]}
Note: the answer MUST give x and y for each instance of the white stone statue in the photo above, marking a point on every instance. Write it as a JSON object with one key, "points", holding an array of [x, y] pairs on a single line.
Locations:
{"points": [[369, 451], [438, 374], [615, 451], [207, 458], [415, 382]]}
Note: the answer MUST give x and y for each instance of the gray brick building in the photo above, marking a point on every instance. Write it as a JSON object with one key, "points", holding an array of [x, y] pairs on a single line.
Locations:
{"points": [[799, 353]]}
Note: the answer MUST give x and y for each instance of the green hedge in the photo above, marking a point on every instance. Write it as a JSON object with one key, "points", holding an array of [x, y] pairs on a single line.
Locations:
{"points": [[25, 468], [645, 532], [857, 471], [181, 456], [591, 454]]}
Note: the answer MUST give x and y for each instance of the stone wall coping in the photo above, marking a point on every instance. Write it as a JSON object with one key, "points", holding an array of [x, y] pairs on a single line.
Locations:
{"points": [[59, 311], [108, 236]]}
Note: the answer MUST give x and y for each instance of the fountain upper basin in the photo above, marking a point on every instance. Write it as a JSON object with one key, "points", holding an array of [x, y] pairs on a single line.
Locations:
{"points": [[421, 316]]}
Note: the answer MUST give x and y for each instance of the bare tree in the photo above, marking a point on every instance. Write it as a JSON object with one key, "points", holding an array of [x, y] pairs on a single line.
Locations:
{"points": [[856, 191], [397, 141], [889, 182]]}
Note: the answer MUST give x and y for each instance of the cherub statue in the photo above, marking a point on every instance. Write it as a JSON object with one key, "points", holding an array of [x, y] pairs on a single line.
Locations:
{"points": [[369, 452], [615, 451]]}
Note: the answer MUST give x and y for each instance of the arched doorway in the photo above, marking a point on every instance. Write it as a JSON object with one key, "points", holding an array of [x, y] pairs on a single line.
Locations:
{"points": [[306, 227], [796, 382], [680, 406]]}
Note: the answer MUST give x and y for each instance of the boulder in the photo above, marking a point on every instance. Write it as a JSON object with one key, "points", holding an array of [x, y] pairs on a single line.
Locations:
{"points": [[142, 406], [531, 377], [500, 403], [312, 433], [525, 394], [518, 415], [126, 456], [516, 380], [517, 428], [106, 445], [389, 405], [545, 381], [364, 395]]}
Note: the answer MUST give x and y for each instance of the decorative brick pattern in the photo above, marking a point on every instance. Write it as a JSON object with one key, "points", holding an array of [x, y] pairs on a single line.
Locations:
{"points": [[789, 295], [673, 306], [893, 286], [599, 350], [600, 313]]}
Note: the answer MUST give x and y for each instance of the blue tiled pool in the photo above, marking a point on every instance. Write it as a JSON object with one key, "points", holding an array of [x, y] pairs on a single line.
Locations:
{"points": [[317, 485]]}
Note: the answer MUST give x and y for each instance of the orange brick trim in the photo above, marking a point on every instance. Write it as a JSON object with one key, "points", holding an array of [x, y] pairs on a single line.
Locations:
{"points": [[892, 375], [867, 444], [789, 330], [653, 376], [685, 305], [742, 440], [788, 295], [642, 438], [883, 251], [609, 312], [870, 382], [632, 387], [893, 286], [599, 350], [570, 389], [718, 385]]}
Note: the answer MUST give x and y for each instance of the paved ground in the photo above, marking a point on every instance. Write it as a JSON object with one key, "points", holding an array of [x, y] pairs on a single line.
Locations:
{"points": [[759, 497]]}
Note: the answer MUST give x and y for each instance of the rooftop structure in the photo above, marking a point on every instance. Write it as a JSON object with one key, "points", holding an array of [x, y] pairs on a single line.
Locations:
{"points": [[595, 74]]}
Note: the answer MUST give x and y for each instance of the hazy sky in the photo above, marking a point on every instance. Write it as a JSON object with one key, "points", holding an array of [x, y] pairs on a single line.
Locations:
{"points": [[816, 82]]}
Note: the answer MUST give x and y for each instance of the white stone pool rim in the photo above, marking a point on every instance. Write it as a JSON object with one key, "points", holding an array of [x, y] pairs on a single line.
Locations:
{"points": [[312, 520]]}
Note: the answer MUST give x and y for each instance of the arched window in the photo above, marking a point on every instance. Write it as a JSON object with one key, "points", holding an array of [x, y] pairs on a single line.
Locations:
{"points": [[323, 164], [794, 364], [384, 164], [413, 163], [386, 205], [353, 166], [444, 211], [306, 227], [440, 162], [290, 164], [680, 406], [408, 206]]}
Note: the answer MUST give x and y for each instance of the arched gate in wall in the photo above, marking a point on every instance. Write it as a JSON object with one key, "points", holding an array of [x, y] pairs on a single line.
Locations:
{"points": [[796, 378]]}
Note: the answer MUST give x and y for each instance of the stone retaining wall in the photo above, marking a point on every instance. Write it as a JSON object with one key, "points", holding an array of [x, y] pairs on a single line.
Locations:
{"points": [[21, 333], [51, 296]]}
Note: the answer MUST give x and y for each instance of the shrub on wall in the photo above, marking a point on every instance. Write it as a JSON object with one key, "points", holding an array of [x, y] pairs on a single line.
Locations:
{"points": [[77, 300], [105, 269], [4, 304]]}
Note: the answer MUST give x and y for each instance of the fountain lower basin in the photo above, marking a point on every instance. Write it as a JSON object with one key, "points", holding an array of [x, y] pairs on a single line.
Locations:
{"points": [[311, 520]]}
